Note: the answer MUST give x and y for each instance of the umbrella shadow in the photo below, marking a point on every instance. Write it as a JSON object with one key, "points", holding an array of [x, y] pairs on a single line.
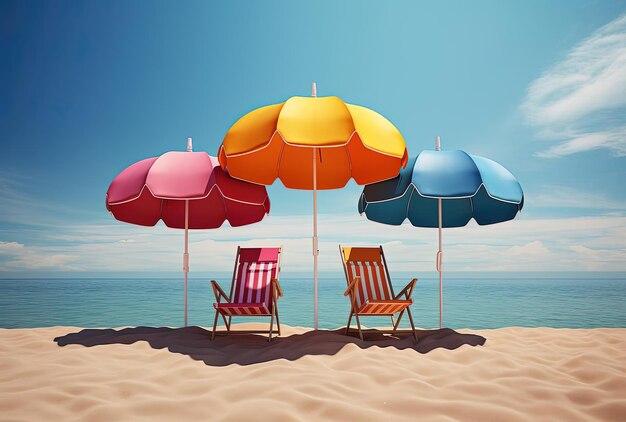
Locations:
{"points": [[249, 349]]}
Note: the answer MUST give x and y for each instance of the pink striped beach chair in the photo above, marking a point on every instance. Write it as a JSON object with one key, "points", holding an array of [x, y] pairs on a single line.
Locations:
{"points": [[370, 289], [254, 290]]}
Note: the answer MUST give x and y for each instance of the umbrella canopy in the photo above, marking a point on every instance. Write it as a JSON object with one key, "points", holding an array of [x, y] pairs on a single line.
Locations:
{"points": [[187, 190], [444, 189], [281, 140], [471, 187], [158, 188], [313, 143]]}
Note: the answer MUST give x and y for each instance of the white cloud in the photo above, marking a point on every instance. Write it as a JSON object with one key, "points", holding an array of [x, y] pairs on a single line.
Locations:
{"points": [[598, 259], [614, 140], [9, 248], [519, 245], [19, 206], [20, 257], [579, 103], [530, 250], [558, 196]]}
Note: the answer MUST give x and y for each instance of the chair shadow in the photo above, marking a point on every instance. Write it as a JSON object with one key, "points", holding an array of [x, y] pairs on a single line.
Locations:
{"points": [[249, 349]]}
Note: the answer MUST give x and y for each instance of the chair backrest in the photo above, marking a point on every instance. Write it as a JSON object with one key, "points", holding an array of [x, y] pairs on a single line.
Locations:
{"points": [[368, 264], [254, 270]]}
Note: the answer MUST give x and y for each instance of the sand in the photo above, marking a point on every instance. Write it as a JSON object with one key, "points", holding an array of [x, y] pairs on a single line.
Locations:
{"points": [[178, 374]]}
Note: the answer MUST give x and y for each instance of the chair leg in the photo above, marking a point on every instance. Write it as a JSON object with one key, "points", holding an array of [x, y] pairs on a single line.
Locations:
{"points": [[226, 323], [277, 319], [408, 311], [214, 325], [358, 324], [395, 327], [271, 327], [348, 324], [230, 320]]}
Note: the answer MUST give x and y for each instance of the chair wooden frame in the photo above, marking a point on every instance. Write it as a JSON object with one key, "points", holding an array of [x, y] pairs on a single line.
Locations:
{"points": [[353, 290], [220, 294]]}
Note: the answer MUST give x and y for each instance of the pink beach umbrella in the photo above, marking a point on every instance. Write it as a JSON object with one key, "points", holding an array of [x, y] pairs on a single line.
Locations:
{"points": [[187, 190]]}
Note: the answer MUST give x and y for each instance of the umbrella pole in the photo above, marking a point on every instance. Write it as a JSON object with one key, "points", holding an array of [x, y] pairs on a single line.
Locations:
{"points": [[186, 254], [440, 270], [440, 252], [315, 249]]}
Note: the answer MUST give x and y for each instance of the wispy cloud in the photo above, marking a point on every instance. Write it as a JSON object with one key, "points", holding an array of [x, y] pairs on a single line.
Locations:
{"points": [[579, 103], [16, 256], [533, 249], [559, 196], [20, 206], [597, 259], [519, 245]]}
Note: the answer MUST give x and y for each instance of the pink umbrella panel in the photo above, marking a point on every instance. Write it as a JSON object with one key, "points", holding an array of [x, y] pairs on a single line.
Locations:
{"points": [[187, 190]]}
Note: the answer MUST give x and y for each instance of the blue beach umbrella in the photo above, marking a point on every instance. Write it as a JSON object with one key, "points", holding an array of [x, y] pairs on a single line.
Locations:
{"points": [[444, 189]]}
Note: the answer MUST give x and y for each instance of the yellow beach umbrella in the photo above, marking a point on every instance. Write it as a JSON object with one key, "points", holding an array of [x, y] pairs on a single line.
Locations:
{"points": [[313, 143]]}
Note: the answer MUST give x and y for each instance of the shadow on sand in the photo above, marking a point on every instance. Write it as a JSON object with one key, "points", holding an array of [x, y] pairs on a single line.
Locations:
{"points": [[248, 349]]}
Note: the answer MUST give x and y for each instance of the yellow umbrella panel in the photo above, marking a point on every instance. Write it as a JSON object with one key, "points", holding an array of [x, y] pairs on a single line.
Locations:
{"points": [[313, 143]]}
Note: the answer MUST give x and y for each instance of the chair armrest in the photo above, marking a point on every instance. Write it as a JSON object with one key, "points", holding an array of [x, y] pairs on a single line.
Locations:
{"points": [[217, 290], [277, 286], [408, 289], [353, 285]]}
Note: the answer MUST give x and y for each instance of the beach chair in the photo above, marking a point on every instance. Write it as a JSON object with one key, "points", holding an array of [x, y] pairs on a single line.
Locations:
{"points": [[370, 289], [254, 290]]}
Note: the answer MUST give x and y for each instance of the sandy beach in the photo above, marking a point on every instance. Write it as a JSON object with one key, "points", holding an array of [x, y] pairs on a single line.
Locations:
{"points": [[178, 374]]}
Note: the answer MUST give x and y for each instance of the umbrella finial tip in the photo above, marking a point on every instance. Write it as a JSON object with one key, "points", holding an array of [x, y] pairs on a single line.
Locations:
{"points": [[189, 145], [438, 143], [314, 90]]}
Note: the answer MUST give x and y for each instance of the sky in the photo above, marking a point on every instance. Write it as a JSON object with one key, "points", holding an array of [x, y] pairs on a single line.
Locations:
{"points": [[88, 88]]}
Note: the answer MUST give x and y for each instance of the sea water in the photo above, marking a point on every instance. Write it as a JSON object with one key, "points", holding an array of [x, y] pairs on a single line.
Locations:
{"points": [[469, 302]]}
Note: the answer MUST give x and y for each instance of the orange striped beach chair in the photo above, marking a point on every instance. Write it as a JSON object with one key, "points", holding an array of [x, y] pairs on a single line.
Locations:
{"points": [[254, 290], [370, 289]]}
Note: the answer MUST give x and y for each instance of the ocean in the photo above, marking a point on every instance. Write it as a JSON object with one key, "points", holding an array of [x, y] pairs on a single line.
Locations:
{"points": [[474, 302]]}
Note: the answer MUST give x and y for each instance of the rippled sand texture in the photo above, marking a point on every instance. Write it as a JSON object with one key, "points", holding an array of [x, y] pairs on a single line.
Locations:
{"points": [[178, 374]]}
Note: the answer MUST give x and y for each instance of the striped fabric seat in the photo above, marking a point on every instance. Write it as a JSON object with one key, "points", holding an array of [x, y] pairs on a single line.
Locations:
{"points": [[384, 307], [374, 296], [242, 309], [252, 288]]}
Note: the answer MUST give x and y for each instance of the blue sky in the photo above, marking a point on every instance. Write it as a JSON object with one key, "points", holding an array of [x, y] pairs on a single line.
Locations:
{"points": [[87, 88]]}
